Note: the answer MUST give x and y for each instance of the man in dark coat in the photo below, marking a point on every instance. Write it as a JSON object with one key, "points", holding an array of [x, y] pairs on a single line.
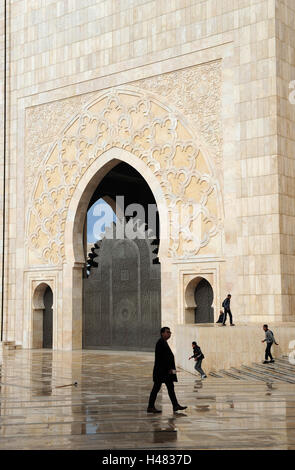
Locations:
{"points": [[226, 306], [164, 372]]}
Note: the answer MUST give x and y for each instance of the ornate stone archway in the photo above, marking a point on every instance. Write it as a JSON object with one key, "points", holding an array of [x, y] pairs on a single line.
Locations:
{"points": [[74, 252], [155, 134], [130, 125]]}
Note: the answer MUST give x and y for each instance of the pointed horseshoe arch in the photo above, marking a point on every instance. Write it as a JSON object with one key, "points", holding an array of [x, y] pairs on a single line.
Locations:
{"points": [[74, 252]]}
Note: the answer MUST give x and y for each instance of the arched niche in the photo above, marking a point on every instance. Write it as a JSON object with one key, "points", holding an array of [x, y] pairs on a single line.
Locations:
{"points": [[42, 305], [198, 283]]}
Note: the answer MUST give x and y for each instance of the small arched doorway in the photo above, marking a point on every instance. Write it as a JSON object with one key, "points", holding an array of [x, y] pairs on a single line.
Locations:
{"points": [[203, 294], [42, 317]]}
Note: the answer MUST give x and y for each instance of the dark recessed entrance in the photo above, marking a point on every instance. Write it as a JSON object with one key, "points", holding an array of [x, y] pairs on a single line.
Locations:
{"points": [[204, 312], [122, 281], [48, 318]]}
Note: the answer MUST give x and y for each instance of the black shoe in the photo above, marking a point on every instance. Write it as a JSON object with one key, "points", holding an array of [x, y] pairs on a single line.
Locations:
{"points": [[223, 324], [265, 362], [272, 360], [232, 324], [153, 410], [179, 408]]}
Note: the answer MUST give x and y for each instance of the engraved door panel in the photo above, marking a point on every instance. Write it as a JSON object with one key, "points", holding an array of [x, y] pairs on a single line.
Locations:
{"points": [[122, 298], [150, 299], [151, 319], [125, 295], [96, 309]]}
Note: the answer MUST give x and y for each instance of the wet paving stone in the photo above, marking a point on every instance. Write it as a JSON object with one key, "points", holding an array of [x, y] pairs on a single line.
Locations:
{"points": [[107, 408]]}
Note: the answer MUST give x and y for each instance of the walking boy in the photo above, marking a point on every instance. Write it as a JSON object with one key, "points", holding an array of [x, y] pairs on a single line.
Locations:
{"points": [[270, 339], [198, 357]]}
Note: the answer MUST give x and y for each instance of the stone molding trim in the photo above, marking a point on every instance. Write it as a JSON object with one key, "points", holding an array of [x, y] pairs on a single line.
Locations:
{"points": [[188, 277], [35, 284], [138, 122]]}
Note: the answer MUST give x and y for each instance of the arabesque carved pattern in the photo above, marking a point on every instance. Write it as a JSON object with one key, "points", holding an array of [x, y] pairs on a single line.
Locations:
{"points": [[43, 124], [136, 121], [195, 92]]}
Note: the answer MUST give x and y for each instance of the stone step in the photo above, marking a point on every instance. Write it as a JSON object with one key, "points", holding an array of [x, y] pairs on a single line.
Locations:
{"points": [[247, 374], [10, 346], [282, 370], [8, 343], [273, 373], [230, 374], [279, 371], [213, 374]]}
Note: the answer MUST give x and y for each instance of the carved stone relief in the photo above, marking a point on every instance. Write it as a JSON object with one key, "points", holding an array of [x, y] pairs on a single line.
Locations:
{"points": [[134, 120], [195, 92], [43, 125]]}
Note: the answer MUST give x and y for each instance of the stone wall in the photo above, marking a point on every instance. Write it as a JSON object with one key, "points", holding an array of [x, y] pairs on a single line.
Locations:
{"points": [[285, 40], [257, 184], [226, 347], [64, 53], [1, 139]]}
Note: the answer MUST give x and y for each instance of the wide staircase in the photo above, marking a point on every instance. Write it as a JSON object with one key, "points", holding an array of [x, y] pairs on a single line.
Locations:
{"points": [[280, 371]]}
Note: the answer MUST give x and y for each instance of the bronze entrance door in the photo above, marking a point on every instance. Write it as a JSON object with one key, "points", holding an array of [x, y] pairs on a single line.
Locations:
{"points": [[122, 297], [204, 298]]}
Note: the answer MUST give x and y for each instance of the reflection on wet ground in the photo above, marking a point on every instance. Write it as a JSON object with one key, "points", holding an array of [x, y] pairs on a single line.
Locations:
{"points": [[107, 409]]}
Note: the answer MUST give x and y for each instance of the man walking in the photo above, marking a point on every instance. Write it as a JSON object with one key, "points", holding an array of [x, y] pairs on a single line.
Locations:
{"points": [[164, 372], [198, 357], [226, 306], [270, 339]]}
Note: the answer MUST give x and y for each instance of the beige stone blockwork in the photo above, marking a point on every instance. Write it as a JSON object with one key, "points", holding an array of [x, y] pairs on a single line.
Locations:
{"points": [[225, 66], [285, 35]]}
